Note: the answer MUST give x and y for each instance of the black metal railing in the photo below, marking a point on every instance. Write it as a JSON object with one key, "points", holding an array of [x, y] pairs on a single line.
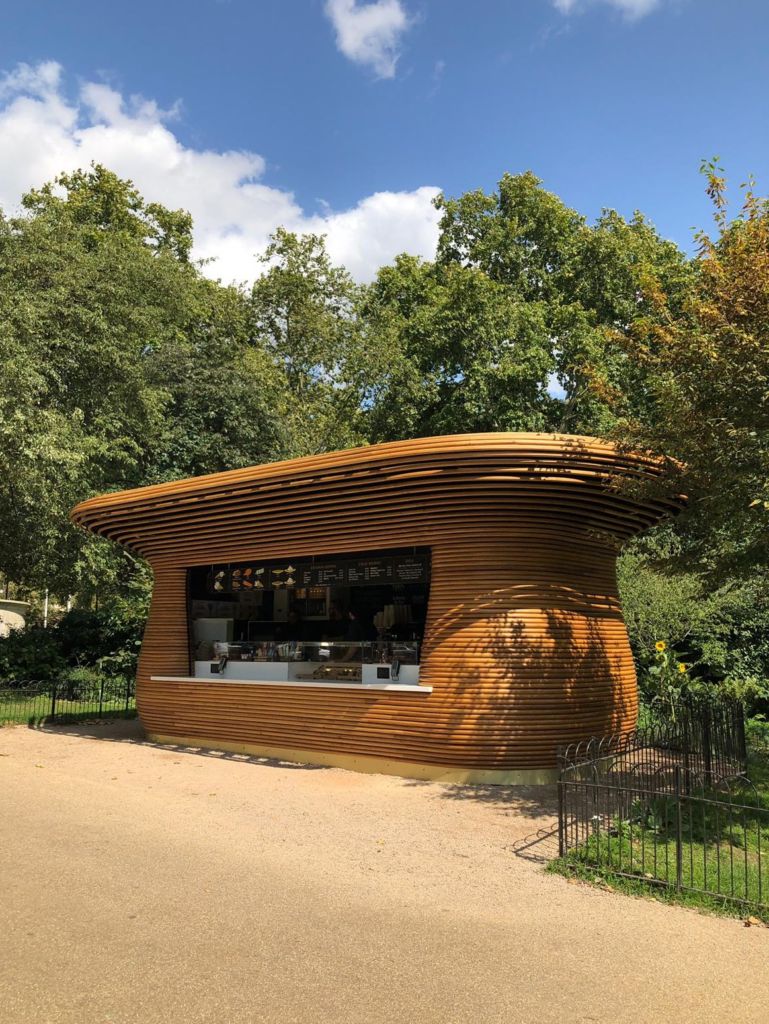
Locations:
{"points": [[669, 806], [704, 735], [62, 701]]}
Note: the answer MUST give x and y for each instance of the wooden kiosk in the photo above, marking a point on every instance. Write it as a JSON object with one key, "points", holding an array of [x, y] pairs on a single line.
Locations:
{"points": [[478, 571]]}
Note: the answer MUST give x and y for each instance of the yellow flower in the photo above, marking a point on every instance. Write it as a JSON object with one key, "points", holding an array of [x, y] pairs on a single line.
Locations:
{"points": [[681, 667], [660, 645]]}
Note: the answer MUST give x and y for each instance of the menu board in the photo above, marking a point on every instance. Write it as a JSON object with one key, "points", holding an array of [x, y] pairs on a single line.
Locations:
{"points": [[306, 576], [243, 577], [283, 576], [409, 570], [369, 570], [331, 572]]}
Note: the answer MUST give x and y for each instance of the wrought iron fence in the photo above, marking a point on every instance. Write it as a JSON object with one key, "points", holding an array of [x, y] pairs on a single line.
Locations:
{"points": [[705, 735], [669, 806], [66, 701]]}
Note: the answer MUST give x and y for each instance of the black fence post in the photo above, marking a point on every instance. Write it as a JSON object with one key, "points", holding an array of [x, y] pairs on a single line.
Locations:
{"points": [[679, 829], [669, 764], [127, 693], [739, 715], [53, 699], [707, 745], [101, 696]]}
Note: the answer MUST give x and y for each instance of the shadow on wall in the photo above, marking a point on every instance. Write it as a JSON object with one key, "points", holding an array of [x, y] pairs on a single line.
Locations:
{"points": [[561, 675]]}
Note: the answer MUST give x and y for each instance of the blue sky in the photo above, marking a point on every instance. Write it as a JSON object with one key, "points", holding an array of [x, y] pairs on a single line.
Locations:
{"points": [[332, 115]]}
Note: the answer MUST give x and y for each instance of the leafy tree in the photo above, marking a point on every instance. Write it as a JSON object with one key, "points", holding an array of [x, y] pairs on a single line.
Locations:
{"points": [[99, 202], [721, 633], [304, 316], [225, 392], [514, 326], [706, 373], [450, 350], [123, 366]]}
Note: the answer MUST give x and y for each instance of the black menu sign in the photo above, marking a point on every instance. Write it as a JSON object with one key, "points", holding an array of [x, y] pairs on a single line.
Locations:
{"points": [[330, 572], [409, 570], [305, 575], [369, 570]]}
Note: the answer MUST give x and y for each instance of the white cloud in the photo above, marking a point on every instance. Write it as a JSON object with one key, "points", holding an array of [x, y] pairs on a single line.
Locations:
{"points": [[369, 34], [630, 8], [43, 132], [379, 227]]}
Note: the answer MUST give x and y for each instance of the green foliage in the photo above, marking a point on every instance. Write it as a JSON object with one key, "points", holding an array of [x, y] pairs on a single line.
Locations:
{"points": [[666, 679], [99, 203], [706, 369], [30, 654], [123, 366], [523, 294], [720, 632], [303, 314], [78, 683], [659, 605], [455, 352], [82, 646]]}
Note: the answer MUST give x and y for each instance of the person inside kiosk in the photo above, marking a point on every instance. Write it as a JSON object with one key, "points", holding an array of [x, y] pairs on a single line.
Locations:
{"points": [[353, 619]]}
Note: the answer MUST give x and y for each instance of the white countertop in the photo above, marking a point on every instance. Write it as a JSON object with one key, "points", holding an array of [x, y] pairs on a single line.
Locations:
{"points": [[304, 683]]}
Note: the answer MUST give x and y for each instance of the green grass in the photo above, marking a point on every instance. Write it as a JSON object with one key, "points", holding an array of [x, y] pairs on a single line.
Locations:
{"points": [[646, 889], [724, 850], [719, 851]]}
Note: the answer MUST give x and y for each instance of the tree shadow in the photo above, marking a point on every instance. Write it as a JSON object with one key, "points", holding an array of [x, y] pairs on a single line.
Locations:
{"points": [[530, 801], [537, 687]]}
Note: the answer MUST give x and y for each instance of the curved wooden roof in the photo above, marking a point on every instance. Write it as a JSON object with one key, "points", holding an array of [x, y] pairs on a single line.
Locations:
{"points": [[537, 476]]}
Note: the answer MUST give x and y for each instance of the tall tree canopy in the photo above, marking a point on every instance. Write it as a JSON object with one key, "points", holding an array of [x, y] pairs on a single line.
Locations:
{"points": [[122, 366], [513, 327], [304, 316], [706, 372]]}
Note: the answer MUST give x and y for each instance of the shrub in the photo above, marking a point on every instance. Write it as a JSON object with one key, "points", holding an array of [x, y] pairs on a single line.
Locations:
{"points": [[105, 642], [79, 684], [30, 654]]}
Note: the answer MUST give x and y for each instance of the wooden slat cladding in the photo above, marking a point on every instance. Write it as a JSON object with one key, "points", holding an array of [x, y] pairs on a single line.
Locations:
{"points": [[525, 645]]}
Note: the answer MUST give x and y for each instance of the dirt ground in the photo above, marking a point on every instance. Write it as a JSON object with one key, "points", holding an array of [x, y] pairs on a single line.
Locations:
{"points": [[149, 884]]}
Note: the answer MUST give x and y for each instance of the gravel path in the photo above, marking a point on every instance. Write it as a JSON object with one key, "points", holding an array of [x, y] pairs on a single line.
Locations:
{"points": [[145, 884]]}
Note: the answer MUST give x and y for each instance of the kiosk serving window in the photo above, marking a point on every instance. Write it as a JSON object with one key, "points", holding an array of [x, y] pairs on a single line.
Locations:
{"points": [[357, 617]]}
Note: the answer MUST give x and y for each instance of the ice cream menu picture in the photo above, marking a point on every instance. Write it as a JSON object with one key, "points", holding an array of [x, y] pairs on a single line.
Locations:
{"points": [[327, 572]]}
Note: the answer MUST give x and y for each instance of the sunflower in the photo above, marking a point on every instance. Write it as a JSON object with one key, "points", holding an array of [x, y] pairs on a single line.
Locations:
{"points": [[660, 645], [681, 667]]}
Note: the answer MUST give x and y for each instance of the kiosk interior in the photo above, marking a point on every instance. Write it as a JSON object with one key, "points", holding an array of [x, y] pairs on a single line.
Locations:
{"points": [[355, 618]]}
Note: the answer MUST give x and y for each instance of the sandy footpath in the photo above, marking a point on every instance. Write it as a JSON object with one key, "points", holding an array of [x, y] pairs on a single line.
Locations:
{"points": [[149, 884]]}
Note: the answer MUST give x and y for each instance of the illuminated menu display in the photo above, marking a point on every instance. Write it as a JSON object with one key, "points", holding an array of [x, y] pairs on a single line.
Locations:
{"points": [[408, 570], [328, 572], [369, 570]]}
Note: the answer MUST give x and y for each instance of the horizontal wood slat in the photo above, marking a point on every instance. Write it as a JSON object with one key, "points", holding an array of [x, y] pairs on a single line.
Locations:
{"points": [[525, 645]]}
